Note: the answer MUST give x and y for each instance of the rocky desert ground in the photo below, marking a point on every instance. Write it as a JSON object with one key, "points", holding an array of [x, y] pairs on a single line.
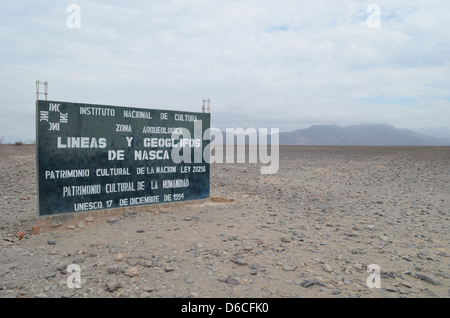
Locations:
{"points": [[314, 229]]}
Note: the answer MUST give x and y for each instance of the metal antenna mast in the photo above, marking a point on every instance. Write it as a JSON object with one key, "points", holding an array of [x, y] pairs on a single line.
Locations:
{"points": [[45, 93], [206, 105]]}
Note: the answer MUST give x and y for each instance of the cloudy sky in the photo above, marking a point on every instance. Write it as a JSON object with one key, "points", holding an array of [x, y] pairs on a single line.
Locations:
{"points": [[284, 64]]}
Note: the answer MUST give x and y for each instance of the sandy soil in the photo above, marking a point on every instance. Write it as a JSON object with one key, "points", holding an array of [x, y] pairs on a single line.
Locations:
{"points": [[311, 230]]}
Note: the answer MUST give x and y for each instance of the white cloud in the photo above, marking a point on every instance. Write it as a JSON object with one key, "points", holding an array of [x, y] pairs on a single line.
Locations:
{"points": [[285, 64]]}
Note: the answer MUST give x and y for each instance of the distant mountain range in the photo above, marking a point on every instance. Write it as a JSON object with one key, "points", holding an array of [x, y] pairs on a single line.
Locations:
{"points": [[360, 135], [356, 135], [441, 132]]}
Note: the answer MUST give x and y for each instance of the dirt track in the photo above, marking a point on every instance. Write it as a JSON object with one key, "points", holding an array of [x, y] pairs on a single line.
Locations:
{"points": [[310, 230]]}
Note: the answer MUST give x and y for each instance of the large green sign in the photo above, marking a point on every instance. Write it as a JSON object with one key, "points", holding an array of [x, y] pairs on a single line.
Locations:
{"points": [[93, 157]]}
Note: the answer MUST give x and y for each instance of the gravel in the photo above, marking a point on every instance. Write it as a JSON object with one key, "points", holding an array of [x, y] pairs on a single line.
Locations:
{"points": [[311, 230]]}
